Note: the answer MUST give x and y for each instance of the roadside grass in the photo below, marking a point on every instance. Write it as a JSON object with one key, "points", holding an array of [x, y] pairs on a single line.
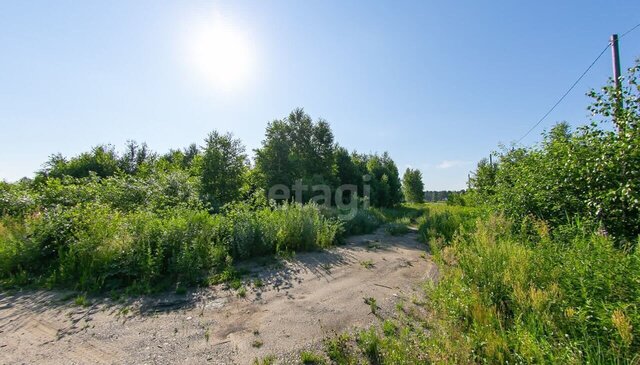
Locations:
{"points": [[509, 293], [311, 358], [81, 300], [242, 292], [442, 221], [92, 247], [266, 360], [367, 264]]}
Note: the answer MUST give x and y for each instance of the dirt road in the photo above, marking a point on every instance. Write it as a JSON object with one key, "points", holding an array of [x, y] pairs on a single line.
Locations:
{"points": [[288, 307]]}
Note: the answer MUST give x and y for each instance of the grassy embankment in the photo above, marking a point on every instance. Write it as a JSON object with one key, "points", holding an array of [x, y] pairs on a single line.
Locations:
{"points": [[509, 292]]}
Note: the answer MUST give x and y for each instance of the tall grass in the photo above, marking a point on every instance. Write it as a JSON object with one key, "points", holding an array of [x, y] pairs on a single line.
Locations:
{"points": [[512, 293], [539, 300], [94, 247], [284, 228], [440, 221]]}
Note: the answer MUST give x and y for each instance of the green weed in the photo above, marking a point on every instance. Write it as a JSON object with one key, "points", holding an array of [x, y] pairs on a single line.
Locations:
{"points": [[242, 292], [373, 305], [267, 360], [367, 264], [82, 301], [310, 358]]}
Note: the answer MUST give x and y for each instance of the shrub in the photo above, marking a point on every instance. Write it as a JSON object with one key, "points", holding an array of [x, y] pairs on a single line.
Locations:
{"points": [[123, 192], [396, 229], [294, 227], [246, 236], [364, 221], [18, 253], [16, 199]]}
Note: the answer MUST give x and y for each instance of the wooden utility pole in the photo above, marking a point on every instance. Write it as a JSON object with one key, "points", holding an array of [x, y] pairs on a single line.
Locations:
{"points": [[615, 59]]}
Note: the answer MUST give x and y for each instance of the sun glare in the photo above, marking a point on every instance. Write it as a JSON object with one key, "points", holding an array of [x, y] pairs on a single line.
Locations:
{"points": [[221, 53]]}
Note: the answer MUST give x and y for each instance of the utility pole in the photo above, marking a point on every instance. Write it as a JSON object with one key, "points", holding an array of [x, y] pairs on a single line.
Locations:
{"points": [[615, 59]]}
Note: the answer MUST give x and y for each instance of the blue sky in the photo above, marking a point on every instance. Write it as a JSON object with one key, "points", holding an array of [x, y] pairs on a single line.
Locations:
{"points": [[436, 84]]}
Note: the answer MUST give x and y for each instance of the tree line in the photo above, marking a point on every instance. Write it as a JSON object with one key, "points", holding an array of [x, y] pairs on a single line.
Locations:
{"points": [[147, 221], [295, 148], [440, 195]]}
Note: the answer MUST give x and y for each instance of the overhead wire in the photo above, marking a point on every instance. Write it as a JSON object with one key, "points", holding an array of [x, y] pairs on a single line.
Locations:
{"points": [[573, 85]]}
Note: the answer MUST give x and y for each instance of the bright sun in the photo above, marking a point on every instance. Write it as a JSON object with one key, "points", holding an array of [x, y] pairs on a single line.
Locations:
{"points": [[221, 53]]}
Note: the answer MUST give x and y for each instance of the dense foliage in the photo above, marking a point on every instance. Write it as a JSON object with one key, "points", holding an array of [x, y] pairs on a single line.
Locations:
{"points": [[91, 246], [523, 295], [298, 149], [591, 174], [138, 219], [223, 169]]}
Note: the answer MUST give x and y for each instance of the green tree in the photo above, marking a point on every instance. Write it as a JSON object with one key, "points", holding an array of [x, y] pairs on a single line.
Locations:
{"points": [[179, 159], [385, 181], [135, 157], [102, 160], [412, 186], [483, 181], [223, 169], [295, 148], [273, 160], [349, 170]]}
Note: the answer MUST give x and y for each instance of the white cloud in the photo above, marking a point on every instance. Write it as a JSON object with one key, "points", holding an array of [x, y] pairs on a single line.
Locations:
{"points": [[446, 164]]}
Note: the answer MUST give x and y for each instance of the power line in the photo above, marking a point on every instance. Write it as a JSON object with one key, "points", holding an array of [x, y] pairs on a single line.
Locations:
{"points": [[630, 30], [564, 95], [573, 85]]}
